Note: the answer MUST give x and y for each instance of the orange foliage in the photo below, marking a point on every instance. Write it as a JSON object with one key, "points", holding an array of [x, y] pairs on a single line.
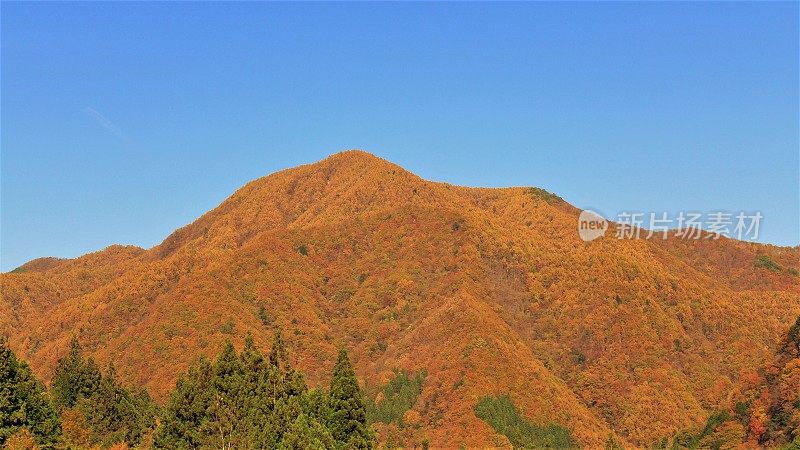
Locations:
{"points": [[74, 429], [23, 439], [489, 290]]}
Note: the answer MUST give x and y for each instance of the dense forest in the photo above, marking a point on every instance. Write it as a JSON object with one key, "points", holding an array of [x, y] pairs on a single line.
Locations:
{"points": [[474, 317], [241, 400], [246, 400]]}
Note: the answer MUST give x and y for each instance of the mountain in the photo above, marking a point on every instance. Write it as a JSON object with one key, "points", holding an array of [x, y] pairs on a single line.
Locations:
{"points": [[488, 292]]}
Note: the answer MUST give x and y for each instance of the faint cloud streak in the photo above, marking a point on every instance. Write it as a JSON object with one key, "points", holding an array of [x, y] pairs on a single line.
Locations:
{"points": [[107, 124]]}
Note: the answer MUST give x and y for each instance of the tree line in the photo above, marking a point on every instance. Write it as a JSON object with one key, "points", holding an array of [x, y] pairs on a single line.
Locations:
{"points": [[240, 400]]}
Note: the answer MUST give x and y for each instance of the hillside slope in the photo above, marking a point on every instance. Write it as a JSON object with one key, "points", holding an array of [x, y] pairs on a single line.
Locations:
{"points": [[490, 291]]}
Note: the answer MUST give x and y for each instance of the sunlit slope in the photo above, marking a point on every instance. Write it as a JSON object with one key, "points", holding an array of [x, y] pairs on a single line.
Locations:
{"points": [[487, 289]]}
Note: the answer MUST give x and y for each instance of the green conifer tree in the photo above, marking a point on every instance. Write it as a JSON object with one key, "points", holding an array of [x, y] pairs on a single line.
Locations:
{"points": [[282, 389], [306, 433], [115, 414], [184, 421], [245, 401], [278, 355], [348, 417], [316, 403], [74, 378], [227, 411], [257, 401], [24, 403]]}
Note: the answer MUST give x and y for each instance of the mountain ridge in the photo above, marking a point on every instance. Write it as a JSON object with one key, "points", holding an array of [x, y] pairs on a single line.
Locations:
{"points": [[345, 157], [355, 251]]}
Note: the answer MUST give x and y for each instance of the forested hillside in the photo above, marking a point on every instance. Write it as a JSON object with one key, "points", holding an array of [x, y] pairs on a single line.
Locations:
{"points": [[473, 317], [242, 400]]}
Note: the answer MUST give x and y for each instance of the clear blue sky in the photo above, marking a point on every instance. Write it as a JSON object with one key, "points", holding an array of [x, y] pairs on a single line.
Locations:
{"points": [[124, 121]]}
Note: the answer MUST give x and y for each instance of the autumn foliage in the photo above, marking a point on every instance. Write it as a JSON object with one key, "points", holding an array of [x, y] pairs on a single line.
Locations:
{"points": [[489, 292]]}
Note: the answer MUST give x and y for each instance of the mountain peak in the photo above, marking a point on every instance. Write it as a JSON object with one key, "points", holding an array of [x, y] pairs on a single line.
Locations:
{"points": [[359, 160], [489, 291], [354, 154]]}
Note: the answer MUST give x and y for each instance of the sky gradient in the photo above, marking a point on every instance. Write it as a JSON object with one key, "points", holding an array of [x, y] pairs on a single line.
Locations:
{"points": [[124, 121]]}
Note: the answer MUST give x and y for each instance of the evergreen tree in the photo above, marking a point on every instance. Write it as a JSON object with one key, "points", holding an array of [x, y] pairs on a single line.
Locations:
{"points": [[74, 378], [348, 417], [306, 433], [184, 422], [248, 401], [316, 403], [227, 409], [282, 389], [24, 402], [115, 414], [278, 356], [254, 370], [252, 359], [256, 401]]}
